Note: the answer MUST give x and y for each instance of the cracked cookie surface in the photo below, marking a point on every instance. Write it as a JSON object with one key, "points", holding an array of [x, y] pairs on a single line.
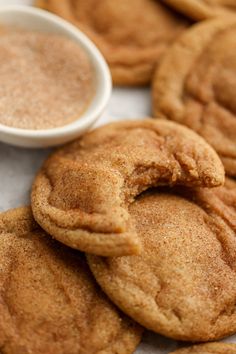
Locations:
{"points": [[209, 348], [82, 192], [183, 285], [49, 300], [195, 84], [203, 9], [132, 35]]}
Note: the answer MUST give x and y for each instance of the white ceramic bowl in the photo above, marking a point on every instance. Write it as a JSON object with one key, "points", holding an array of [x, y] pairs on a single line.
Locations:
{"points": [[39, 20]]}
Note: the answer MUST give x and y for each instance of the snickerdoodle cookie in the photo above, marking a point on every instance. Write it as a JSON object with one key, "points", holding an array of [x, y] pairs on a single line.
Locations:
{"points": [[132, 34], [49, 301], [202, 9], [209, 348], [195, 85], [82, 192], [183, 285]]}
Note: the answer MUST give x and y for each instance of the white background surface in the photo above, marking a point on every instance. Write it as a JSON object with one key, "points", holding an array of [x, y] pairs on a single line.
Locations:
{"points": [[18, 167]]}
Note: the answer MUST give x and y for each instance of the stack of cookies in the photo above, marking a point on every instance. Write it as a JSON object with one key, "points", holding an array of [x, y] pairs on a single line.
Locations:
{"points": [[132, 225], [138, 198]]}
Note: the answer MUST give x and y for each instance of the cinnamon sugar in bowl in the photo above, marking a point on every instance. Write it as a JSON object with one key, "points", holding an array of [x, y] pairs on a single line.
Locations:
{"points": [[56, 82]]}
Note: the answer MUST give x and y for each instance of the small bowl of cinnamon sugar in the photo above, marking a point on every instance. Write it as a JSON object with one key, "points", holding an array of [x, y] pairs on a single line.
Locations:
{"points": [[54, 81]]}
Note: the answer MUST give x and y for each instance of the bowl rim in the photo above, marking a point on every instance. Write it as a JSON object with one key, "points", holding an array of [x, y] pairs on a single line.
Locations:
{"points": [[84, 121]]}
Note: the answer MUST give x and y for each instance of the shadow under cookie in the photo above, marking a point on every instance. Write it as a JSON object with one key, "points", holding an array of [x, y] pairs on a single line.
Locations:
{"points": [[203, 9]]}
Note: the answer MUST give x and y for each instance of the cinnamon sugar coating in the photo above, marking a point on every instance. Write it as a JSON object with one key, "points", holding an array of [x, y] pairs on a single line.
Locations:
{"points": [[47, 80], [195, 84], [82, 192], [132, 35], [183, 285], [209, 348], [49, 301]]}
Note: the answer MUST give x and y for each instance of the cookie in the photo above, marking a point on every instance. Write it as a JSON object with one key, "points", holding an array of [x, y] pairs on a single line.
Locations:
{"points": [[203, 9], [81, 194], [209, 348], [49, 301], [132, 35], [183, 285], [195, 83]]}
